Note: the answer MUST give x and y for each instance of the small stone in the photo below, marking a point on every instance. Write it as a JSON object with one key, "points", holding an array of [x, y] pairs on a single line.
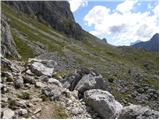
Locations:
{"points": [[39, 85], [18, 83], [75, 94], [29, 72], [23, 112], [4, 99], [22, 103], [37, 110], [44, 78], [28, 79], [36, 100], [8, 114], [67, 93], [27, 85], [53, 92], [54, 81], [8, 75], [4, 88], [76, 111]]}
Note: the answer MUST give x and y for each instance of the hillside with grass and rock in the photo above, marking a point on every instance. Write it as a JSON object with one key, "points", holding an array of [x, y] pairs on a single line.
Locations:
{"points": [[52, 68]]}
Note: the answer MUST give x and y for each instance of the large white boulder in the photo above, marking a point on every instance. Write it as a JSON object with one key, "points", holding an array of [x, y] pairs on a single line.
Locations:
{"points": [[42, 67], [103, 103]]}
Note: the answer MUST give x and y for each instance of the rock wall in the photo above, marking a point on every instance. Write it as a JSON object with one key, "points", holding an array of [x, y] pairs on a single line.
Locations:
{"points": [[56, 14], [8, 47]]}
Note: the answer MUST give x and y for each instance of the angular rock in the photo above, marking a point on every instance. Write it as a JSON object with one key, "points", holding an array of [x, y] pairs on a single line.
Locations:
{"points": [[37, 110], [8, 75], [36, 99], [29, 72], [103, 103], [18, 83], [22, 103], [138, 112], [76, 111], [23, 112], [39, 69], [52, 92], [28, 79], [54, 81], [9, 65], [39, 85], [8, 114], [4, 88], [43, 78], [90, 81], [42, 67], [70, 81]]}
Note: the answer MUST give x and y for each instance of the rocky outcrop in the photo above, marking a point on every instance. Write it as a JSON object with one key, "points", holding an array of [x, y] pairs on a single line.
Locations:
{"points": [[8, 48], [138, 112], [56, 14], [103, 103]]}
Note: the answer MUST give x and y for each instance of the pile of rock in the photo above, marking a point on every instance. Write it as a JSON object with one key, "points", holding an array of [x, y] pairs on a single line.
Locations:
{"points": [[84, 94]]}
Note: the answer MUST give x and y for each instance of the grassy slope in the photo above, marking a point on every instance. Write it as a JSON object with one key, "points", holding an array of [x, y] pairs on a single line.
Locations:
{"points": [[111, 62]]}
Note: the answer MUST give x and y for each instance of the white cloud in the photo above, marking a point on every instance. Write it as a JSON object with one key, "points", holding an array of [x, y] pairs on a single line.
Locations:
{"points": [[124, 27], [126, 6], [76, 4]]}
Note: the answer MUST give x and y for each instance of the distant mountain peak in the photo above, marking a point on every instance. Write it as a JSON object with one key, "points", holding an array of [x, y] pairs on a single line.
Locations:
{"points": [[133, 43], [151, 45]]}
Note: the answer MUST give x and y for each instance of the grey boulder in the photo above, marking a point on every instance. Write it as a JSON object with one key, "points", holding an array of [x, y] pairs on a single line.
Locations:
{"points": [[90, 81], [18, 83], [138, 112], [103, 103], [42, 67]]}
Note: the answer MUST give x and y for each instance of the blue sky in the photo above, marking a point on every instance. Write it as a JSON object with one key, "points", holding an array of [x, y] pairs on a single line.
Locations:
{"points": [[120, 22]]}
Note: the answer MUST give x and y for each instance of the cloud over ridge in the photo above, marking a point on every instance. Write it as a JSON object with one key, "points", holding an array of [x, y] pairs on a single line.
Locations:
{"points": [[123, 23]]}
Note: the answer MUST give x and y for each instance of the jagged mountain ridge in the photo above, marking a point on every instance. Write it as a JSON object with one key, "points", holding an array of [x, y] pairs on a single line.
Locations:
{"points": [[127, 69], [151, 45]]}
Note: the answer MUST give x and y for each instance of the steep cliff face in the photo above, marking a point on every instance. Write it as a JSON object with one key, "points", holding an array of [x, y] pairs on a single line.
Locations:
{"points": [[8, 48], [55, 14]]}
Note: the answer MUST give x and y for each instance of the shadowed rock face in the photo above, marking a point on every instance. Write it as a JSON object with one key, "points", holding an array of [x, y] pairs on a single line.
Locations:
{"points": [[8, 45], [56, 14]]}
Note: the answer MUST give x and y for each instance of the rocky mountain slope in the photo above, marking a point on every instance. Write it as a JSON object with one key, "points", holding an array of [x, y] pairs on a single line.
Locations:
{"points": [[130, 75], [33, 92], [151, 45]]}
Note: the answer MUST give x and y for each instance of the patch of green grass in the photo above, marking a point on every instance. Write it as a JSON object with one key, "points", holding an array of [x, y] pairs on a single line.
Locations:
{"points": [[62, 74], [60, 112], [23, 49]]}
